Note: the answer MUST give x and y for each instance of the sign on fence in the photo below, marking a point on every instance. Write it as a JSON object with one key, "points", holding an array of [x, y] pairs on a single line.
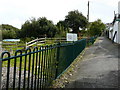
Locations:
{"points": [[71, 37]]}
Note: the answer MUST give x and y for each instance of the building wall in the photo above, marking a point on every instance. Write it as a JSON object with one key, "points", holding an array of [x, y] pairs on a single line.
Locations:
{"points": [[115, 28], [119, 32], [110, 36], [111, 33], [119, 23]]}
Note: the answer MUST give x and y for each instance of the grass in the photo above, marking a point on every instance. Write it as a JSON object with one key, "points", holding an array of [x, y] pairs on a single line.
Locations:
{"points": [[47, 70], [12, 47], [40, 56]]}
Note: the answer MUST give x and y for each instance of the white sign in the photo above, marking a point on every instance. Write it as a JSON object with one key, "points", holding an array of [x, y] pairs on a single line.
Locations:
{"points": [[71, 37]]}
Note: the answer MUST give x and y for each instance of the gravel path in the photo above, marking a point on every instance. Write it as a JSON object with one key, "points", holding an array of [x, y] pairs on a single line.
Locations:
{"points": [[4, 78]]}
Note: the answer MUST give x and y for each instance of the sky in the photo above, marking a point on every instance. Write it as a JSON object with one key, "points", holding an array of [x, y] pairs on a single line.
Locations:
{"points": [[16, 12]]}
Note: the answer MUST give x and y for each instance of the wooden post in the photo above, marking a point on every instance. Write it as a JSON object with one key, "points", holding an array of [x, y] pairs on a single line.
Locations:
{"points": [[26, 45]]}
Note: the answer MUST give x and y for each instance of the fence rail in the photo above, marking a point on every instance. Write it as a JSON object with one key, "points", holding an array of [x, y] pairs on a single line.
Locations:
{"points": [[37, 68], [44, 40]]}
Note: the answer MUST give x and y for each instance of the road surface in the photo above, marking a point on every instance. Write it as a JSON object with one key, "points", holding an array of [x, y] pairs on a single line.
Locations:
{"points": [[99, 67]]}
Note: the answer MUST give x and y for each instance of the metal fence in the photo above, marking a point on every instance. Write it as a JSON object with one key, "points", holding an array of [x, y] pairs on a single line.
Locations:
{"points": [[37, 68], [91, 40]]}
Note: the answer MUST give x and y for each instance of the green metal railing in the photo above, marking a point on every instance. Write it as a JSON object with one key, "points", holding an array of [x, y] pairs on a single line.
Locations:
{"points": [[37, 68], [91, 40]]}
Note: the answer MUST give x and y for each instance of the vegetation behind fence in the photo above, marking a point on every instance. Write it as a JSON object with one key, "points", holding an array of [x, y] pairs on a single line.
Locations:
{"points": [[37, 68]]}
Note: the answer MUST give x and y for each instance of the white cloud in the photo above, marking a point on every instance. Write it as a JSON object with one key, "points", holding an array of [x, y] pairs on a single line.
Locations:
{"points": [[16, 22], [18, 11]]}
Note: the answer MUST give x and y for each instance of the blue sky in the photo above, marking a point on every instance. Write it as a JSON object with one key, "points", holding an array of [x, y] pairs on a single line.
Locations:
{"points": [[16, 12]]}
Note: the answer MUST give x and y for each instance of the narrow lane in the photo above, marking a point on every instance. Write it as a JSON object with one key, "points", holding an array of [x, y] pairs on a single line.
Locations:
{"points": [[99, 67]]}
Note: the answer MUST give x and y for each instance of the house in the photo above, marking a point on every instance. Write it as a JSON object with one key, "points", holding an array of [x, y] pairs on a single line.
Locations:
{"points": [[109, 28], [114, 27]]}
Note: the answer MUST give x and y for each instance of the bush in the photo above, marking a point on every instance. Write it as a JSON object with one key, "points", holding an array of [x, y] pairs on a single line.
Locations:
{"points": [[8, 34], [23, 40]]}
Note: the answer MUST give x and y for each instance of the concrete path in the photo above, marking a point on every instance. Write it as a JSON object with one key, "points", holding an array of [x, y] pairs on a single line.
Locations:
{"points": [[99, 67]]}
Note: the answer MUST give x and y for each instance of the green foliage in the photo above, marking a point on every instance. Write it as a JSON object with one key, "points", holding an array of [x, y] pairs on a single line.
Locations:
{"points": [[76, 20], [8, 27], [62, 28], [96, 28], [83, 33], [6, 34], [8, 31], [38, 28], [26, 39]]}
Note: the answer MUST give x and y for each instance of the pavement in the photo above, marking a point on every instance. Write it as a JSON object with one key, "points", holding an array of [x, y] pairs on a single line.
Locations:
{"points": [[99, 67]]}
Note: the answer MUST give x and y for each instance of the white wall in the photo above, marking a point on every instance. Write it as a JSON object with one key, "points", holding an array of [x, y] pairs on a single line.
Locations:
{"points": [[115, 28], [119, 32], [111, 33], [119, 23]]}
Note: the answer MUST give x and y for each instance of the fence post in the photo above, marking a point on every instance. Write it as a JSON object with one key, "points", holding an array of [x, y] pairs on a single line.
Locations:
{"points": [[57, 60], [26, 45], [73, 50]]}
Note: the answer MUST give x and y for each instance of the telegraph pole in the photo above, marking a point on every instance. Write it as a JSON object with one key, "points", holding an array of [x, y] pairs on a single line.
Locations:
{"points": [[88, 12]]}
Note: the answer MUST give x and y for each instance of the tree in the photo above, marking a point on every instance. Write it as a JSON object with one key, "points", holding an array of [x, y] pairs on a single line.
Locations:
{"points": [[62, 28], [38, 28], [8, 34], [96, 28], [76, 20], [46, 27], [26, 30], [9, 31], [8, 27]]}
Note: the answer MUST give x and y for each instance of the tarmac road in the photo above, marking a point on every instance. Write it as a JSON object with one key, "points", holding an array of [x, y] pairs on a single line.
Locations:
{"points": [[99, 67]]}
